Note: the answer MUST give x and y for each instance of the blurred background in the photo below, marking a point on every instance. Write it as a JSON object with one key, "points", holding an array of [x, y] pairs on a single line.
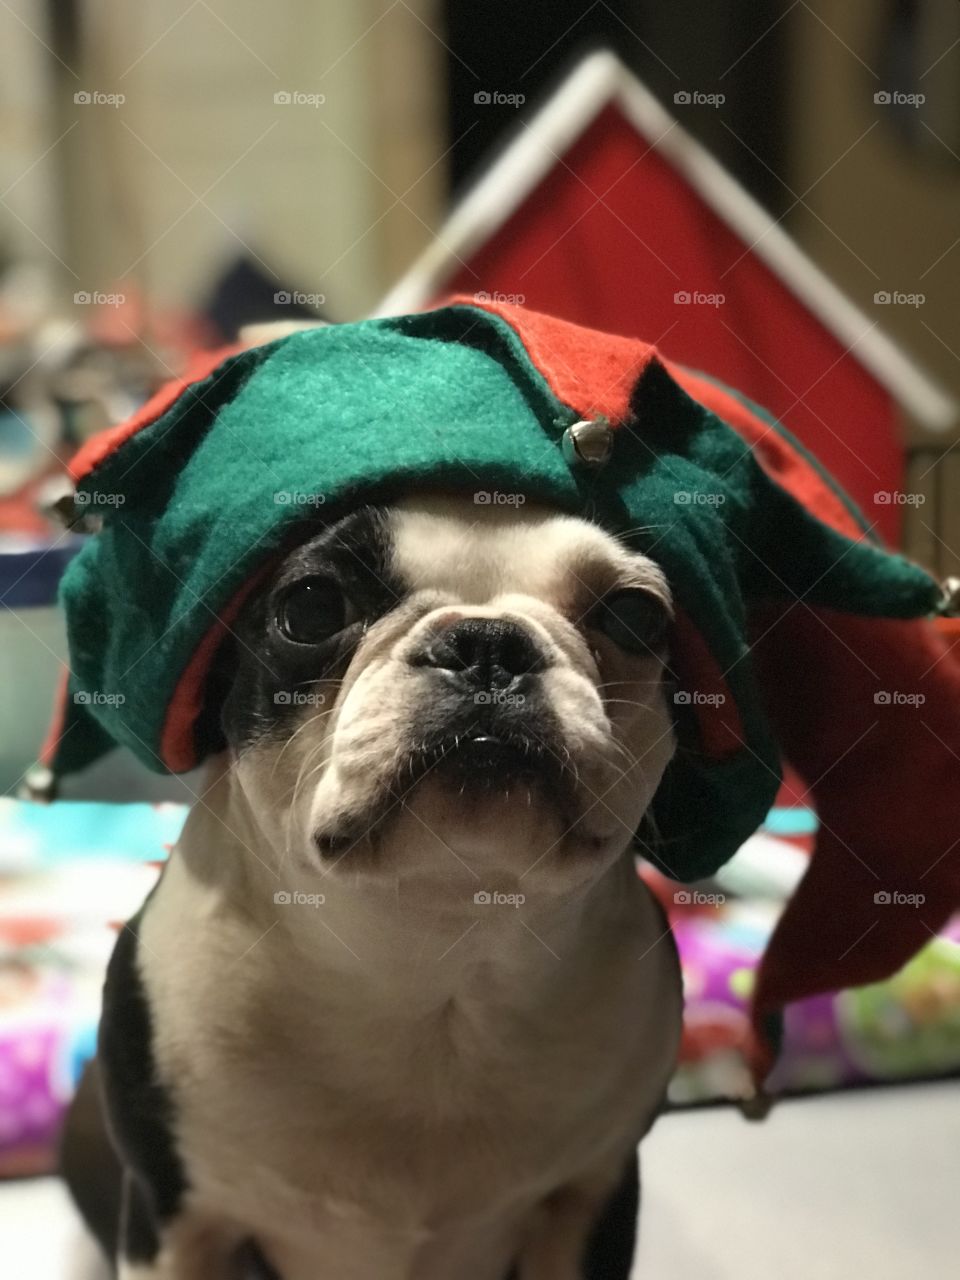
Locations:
{"points": [[173, 172]]}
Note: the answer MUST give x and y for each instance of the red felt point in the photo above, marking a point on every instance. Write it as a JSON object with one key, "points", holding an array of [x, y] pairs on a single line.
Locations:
{"points": [[592, 372], [595, 373], [872, 724]]}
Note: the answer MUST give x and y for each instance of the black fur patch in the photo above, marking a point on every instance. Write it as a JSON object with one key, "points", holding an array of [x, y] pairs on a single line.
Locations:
{"points": [[270, 672], [138, 1239], [612, 1244], [89, 1163], [139, 1109]]}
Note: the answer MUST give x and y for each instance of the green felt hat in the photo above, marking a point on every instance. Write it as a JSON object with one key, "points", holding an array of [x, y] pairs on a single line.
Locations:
{"points": [[222, 471]]}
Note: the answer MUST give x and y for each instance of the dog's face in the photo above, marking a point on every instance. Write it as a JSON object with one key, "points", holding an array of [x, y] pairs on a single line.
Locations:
{"points": [[437, 681]]}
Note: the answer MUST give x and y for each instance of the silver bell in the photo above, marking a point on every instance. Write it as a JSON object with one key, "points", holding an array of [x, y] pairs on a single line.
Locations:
{"points": [[588, 443]]}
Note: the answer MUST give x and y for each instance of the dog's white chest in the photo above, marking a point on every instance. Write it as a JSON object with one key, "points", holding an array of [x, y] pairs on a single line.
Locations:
{"points": [[398, 1139], [384, 1191]]}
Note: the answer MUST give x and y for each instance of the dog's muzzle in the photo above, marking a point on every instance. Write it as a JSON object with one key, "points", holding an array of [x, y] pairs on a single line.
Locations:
{"points": [[488, 721], [493, 655]]}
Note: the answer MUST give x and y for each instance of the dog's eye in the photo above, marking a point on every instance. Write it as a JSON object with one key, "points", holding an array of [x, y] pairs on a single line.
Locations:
{"points": [[634, 620], [312, 611]]}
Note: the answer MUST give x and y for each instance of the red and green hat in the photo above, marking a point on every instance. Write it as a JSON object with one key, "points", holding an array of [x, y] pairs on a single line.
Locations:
{"points": [[791, 619]]}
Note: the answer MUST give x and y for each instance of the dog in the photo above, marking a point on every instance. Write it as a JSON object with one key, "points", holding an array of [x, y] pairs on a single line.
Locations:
{"points": [[399, 1007]]}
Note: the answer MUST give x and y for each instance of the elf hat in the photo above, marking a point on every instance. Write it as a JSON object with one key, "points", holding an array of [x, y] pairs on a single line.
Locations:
{"points": [[791, 620]]}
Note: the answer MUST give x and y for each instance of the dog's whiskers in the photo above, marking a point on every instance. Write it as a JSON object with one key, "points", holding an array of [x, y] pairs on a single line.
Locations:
{"points": [[313, 762], [611, 684], [296, 733], [629, 702]]}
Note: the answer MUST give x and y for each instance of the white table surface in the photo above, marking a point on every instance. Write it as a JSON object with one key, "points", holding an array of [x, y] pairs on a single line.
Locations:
{"points": [[855, 1185]]}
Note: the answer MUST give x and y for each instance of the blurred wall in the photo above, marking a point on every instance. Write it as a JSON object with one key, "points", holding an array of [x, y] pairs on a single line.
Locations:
{"points": [[880, 202], [28, 218], [204, 157], [882, 211], [842, 120], [335, 190]]}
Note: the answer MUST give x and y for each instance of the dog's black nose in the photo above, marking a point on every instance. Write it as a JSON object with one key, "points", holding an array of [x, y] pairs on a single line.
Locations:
{"points": [[492, 652]]}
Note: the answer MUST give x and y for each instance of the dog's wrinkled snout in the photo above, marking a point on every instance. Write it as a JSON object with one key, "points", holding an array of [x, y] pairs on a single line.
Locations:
{"points": [[487, 653]]}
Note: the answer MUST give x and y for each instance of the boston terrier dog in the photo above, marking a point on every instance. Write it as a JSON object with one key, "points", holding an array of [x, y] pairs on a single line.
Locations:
{"points": [[400, 1007]]}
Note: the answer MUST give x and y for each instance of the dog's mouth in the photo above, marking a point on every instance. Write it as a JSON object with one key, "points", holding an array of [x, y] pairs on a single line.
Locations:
{"points": [[486, 760], [479, 764]]}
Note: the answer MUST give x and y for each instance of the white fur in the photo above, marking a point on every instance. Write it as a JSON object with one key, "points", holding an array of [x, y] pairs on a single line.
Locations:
{"points": [[401, 1083]]}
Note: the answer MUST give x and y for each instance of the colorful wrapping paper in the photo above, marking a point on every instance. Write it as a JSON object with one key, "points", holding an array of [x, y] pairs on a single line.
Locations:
{"points": [[71, 873]]}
